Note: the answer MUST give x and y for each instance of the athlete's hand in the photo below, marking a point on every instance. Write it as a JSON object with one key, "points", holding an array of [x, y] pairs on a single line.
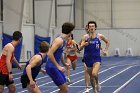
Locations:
{"points": [[20, 66], [10, 77], [85, 43], [61, 68], [32, 84], [105, 52], [67, 65]]}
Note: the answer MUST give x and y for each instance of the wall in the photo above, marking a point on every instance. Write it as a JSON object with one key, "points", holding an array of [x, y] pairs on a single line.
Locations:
{"points": [[65, 11], [0, 36], [123, 39], [108, 13], [28, 42], [12, 15], [43, 17]]}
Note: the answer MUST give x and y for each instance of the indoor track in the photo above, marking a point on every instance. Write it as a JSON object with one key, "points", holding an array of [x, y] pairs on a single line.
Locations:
{"points": [[117, 75]]}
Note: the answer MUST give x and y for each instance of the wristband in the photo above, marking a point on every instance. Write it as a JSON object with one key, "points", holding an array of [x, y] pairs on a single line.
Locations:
{"points": [[10, 72]]}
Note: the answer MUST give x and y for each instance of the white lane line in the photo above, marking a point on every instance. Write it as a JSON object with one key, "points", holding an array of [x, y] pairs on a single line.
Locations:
{"points": [[114, 76], [82, 86], [126, 83]]}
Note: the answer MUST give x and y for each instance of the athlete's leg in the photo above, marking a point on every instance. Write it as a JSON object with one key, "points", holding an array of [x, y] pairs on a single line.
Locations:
{"points": [[12, 88], [1, 88], [86, 78], [94, 75], [34, 90], [92, 79], [74, 64], [63, 88], [86, 75], [95, 72], [68, 69]]}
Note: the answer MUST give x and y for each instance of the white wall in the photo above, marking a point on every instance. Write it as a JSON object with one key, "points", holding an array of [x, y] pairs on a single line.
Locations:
{"points": [[126, 13], [28, 12], [108, 13], [12, 15], [42, 17], [65, 12], [123, 39], [98, 10], [28, 42], [0, 36]]}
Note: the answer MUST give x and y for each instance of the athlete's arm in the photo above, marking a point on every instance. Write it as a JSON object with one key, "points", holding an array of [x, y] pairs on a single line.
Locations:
{"points": [[83, 43], [105, 40], [16, 62], [35, 61], [10, 50], [105, 50], [58, 42]]}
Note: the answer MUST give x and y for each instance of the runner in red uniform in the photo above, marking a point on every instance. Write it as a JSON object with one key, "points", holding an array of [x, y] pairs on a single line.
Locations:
{"points": [[6, 58], [71, 56]]}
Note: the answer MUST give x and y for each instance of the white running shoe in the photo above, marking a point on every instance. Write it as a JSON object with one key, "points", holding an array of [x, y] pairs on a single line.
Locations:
{"points": [[86, 90], [68, 81], [98, 87]]}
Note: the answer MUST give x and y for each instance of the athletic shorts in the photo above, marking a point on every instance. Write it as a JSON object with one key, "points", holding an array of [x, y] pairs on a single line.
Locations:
{"points": [[24, 80], [57, 76], [89, 61], [72, 58], [4, 80]]}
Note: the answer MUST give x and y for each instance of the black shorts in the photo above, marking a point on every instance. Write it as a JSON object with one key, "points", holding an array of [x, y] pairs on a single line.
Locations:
{"points": [[24, 80], [4, 80]]}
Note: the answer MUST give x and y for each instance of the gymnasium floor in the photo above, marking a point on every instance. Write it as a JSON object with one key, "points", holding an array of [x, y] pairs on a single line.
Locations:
{"points": [[117, 75]]}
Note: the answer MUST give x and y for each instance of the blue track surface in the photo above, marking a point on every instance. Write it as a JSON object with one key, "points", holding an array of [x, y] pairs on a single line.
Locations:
{"points": [[117, 75]]}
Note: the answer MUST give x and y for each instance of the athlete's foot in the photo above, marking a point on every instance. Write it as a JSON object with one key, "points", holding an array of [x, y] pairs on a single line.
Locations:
{"points": [[98, 87], [68, 81], [86, 90], [95, 91]]}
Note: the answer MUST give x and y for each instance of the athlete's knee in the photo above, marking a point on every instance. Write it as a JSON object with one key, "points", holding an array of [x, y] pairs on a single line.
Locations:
{"points": [[94, 74], [64, 90], [12, 88], [1, 88], [1, 91], [68, 67]]}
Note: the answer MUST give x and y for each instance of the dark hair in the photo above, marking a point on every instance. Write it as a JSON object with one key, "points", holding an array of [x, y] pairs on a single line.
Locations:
{"points": [[17, 35], [67, 27], [44, 47], [92, 22], [72, 36]]}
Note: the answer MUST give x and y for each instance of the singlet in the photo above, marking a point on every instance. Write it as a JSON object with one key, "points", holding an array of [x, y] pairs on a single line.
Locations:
{"points": [[35, 70], [3, 66], [57, 54], [93, 49], [70, 45]]}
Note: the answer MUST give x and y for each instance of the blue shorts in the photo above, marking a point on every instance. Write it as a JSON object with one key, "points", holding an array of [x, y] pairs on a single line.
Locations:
{"points": [[57, 76], [89, 61]]}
